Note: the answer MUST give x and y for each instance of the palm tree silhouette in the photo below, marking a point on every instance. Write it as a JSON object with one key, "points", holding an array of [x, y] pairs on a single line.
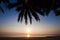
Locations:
{"points": [[25, 7], [29, 8]]}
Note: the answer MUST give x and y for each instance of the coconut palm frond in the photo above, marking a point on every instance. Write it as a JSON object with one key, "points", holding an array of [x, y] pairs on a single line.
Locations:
{"points": [[25, 16], [40, 12], [1, 9], [35, 15], [12, 5], [20, 15], [57, 13], [19, 8], [30, 17], [5, 1], [47, 11]]}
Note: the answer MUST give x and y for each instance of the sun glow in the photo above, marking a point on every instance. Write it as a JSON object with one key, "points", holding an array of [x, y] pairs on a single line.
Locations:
{"points": [[28, 31]]}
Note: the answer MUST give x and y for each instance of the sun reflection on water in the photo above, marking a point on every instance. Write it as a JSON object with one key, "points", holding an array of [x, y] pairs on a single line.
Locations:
{"points": [[28, 35]]}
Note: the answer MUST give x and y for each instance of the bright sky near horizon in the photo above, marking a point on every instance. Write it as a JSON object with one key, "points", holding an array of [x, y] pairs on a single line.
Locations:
{"points": [[47, 25]]}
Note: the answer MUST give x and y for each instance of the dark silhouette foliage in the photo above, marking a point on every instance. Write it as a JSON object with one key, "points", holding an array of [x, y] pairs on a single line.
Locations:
{"points": [[4, 1], [29, 8]]}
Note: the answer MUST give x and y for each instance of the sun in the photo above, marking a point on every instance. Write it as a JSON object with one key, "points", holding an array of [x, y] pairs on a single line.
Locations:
{"points": [[28, 30]]}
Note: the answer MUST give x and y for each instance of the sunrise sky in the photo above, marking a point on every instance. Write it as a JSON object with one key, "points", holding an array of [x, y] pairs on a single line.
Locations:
{"points": [[49, 25]]}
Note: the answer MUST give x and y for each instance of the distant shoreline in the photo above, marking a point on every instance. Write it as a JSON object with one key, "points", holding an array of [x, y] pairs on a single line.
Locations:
{"points": [[31, 38], [45, 35]]}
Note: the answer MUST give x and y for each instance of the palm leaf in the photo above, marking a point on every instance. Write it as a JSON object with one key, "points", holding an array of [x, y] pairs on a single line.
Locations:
{"points": [[25, 16], [19, 8], [20, 17], [12, 5], [6, 1], [40, 12], [35, 15], [1, 9], [47, 11], [29, 14], [57, 13]]}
